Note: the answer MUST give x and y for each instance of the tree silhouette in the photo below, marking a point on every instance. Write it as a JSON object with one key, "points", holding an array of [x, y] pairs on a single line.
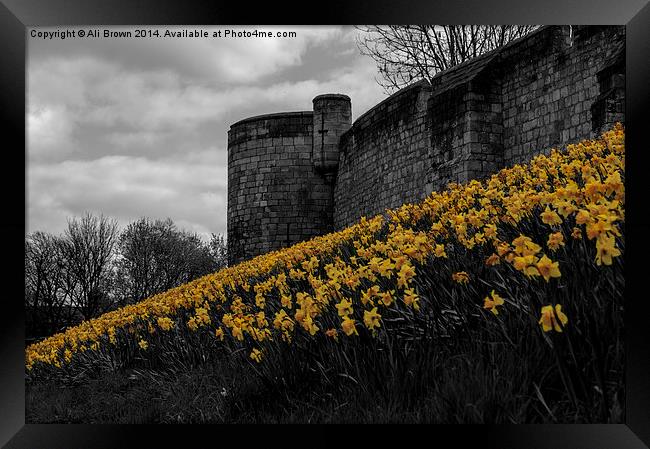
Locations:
{"points": [[405, 53]]}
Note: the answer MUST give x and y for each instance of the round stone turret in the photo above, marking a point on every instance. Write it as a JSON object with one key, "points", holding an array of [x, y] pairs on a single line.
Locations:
{"points": [[332, 117], [281, 173], [275, 196]]}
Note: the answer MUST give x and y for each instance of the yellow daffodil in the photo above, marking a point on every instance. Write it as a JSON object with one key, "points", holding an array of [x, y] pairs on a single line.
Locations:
{"points": [[344, 308], [491, 302], [583, 217], [256, 355], [439, 251], [492, 260], [547, 268], [285, 300], [411, 299], [606, 249], [551, 318], [576, 233], [406, 273], [332, 333], [555, 240], [238, 333], [460, 277], [386, 297], [349, 327], [371, 318], [165, 323], [386, 268]]}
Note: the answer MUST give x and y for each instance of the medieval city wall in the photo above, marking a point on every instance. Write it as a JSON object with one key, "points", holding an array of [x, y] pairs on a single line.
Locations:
{"points": [[551, 88], [292, 176]]}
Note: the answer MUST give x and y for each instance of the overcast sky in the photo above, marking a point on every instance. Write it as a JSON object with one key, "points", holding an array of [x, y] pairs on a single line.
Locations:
{"points": [[138, 127]]}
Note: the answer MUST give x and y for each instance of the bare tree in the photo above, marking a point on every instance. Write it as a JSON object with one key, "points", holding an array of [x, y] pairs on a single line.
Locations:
{"points": [[156, 256], [405, 53], [48, 286], [138, 274], [92, 268], [88, 249], [219, 251]]}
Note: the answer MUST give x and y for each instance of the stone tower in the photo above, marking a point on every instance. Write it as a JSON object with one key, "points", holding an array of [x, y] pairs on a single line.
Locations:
{"points": [[281, 172], [332, 117]]}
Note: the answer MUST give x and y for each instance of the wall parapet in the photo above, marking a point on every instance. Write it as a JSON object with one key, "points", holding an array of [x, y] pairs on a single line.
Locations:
{"points": [[272, 116], [277, 125], [378, 112]]}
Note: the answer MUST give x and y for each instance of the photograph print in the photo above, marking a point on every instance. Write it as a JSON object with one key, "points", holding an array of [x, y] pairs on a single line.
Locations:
{"points": [[325, 224]]}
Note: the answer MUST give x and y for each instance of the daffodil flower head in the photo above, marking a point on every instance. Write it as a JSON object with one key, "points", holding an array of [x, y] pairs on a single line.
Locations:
{"points": [[547, 268], [460, 277], [491, 302], [552, 317]]}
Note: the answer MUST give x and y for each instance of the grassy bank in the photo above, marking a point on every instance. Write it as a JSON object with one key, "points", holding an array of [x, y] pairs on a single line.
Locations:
{"points": [[496, 301]]}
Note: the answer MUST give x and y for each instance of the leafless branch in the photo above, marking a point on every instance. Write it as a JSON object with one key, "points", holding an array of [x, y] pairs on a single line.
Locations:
{"points": [[405, 53]]}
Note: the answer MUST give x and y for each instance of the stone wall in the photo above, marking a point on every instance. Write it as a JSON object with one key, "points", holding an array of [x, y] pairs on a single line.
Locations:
{"points": [[296, 175], [466, 116], [549, 84], [382, 156], [555, 86]]}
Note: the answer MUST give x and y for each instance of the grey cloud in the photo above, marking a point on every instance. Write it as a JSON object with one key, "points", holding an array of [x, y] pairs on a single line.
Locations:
{"points": [[191, 189], [135, 128], [218, 60]]}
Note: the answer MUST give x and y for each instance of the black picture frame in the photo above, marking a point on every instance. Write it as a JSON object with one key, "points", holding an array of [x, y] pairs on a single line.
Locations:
{"points": [[17, 15]]}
